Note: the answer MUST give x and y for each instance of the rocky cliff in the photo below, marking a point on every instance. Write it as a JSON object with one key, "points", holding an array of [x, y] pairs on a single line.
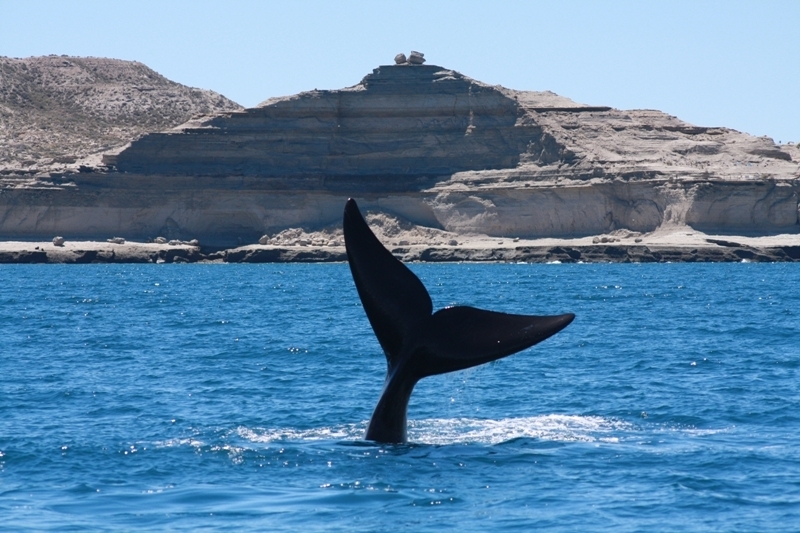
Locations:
{"points": [[399, 127], [428, 145]]}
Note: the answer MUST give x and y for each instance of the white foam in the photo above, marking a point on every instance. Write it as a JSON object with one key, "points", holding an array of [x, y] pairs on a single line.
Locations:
{"points": [[172, 443], [561, 428], [348, 432], [443, 431]]}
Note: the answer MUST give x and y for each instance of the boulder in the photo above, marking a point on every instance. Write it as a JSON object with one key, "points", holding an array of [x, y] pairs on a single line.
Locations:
{"points": [[416, 58]]}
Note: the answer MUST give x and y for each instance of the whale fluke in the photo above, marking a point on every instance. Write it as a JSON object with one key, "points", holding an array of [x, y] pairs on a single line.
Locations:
{"points": [[417, 342]]}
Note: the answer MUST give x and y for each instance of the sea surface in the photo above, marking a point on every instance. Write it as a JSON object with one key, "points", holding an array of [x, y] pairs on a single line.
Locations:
{"points": [[235, 397]]}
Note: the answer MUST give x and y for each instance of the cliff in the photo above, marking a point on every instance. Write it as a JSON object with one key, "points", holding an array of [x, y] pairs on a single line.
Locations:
{"points": [[399, 125], [425, 144]]}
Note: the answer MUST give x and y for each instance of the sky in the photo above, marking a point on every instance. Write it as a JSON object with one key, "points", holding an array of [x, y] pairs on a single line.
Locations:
{"points": [[711, 63]]}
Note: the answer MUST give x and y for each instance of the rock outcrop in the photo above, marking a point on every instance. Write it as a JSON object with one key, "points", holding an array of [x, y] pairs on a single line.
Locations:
{"points": [[425, 144], [402, 126]]}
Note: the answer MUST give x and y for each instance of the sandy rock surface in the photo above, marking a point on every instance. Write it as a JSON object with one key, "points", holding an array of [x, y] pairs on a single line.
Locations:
{"points": [[57, 110]]}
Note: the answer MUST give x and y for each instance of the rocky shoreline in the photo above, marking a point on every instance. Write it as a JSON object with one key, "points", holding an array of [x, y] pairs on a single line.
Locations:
{"points": [[714, 250]]}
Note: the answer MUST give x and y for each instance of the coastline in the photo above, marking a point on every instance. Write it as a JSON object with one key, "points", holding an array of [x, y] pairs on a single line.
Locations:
{"points": [[677, 245]]}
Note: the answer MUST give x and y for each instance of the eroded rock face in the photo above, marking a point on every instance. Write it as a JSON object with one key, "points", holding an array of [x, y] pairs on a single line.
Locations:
{"points": [[399, 125], [230, 211], [425, 144], [761, 207], [412, 126]]}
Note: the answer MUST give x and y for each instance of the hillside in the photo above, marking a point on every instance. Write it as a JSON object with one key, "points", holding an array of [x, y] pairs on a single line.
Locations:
{"points": [[56, 110]]}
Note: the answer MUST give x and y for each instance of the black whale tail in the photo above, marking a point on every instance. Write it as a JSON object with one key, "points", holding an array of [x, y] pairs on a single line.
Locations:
{"points": [[417, 342]]}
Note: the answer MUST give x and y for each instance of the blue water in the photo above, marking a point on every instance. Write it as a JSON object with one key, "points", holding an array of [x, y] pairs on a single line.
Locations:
{"points": [[235, 398]]}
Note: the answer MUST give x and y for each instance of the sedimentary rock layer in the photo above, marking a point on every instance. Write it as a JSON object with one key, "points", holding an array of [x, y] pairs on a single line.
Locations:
{"points": [[397, 125], [230, 211], [425, 144]]}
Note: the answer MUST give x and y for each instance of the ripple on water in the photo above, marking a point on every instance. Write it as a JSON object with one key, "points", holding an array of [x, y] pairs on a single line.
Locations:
{"points": [[236, 397]]}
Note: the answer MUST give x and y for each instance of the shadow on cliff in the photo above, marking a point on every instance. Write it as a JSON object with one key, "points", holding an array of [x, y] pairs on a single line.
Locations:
{"points": [[403, 128]]}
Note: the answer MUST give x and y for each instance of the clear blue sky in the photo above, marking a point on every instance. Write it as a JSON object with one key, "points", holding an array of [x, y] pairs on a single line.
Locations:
{"points": [[712, 63]]}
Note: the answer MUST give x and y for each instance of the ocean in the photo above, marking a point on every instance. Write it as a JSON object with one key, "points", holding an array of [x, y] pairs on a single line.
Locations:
{"points": [[234, 397]]}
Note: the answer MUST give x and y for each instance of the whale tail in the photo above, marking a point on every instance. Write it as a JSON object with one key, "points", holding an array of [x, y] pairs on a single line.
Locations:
{"points": [[417, 342]]}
